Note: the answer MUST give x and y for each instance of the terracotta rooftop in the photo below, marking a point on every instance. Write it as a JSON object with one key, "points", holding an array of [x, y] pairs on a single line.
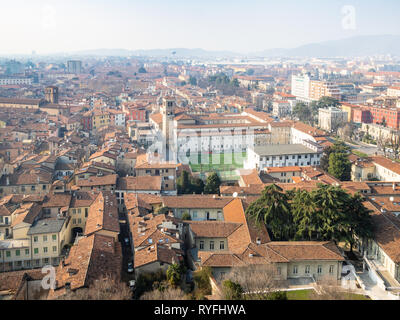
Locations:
{"points": [[103, 214]]}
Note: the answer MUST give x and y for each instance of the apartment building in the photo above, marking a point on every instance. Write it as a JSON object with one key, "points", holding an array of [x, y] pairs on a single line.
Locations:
{"points": [[319, 89], [281, 156], [47, 239]]}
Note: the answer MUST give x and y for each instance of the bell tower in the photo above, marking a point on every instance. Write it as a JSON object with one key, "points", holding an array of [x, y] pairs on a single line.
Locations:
{"points": [[167, 111]]}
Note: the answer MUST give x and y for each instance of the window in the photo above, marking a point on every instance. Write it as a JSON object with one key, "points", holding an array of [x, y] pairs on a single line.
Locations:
{"points": [[54, 237], [26, 252], [35, 239], [44, 238], [74, 221], [8, 254], [79, 220], [46, 260], [86, 212], [54, 248], [294, 269], [319, 269], [73, 211], [331, 269], [222, 245], [201, 245], [278, 271], [211, 245], [17, 252], [45, 249], [36, 250], [307, 270]]}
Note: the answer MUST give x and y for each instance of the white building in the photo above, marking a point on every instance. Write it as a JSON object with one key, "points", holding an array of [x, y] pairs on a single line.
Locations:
{"points": [[301, 87], [281, 156], [331, 118], [281, 108], [15, 81]]}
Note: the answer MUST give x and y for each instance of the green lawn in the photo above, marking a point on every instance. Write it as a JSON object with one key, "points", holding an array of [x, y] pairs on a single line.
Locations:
{"points": [[355, 296], [299, 294], [218, 162], [306, 295], [359, 154]]}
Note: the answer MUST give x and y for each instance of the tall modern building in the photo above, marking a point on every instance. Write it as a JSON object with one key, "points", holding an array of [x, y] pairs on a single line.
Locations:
{"points": [[301, 87], [74, 66]]}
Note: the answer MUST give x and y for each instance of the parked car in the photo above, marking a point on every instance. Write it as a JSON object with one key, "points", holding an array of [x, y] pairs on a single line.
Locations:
{"points": [[132, 284], [130, 267]]}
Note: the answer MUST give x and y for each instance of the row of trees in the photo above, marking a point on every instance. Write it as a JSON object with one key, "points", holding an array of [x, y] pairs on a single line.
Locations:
{"points": [[327, 213], [187, 184]]}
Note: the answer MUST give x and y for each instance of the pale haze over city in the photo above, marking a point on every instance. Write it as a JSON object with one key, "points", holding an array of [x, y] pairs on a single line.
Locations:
{"points": [[241, 26], [200, 159]]}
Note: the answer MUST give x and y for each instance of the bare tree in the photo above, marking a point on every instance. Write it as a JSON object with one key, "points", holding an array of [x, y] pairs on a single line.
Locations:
{"points": [[257, 281], [167, 294], [101, 289], [394, 144], [331, 290], [346, 132]]}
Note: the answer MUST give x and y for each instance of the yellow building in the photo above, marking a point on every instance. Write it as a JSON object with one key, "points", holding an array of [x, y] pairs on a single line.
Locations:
{"points": [[47, 239], [100, 119]]}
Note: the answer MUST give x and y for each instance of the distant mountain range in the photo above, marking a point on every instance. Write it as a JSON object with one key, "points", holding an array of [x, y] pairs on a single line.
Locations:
{"points": [[354, 46]]}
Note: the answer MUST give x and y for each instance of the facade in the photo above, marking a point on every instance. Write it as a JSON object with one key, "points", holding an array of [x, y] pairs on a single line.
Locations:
{"points": [[331, 119], [393, 92], [47, 239], [74, 66], [281, 156], [301, 86], [319, 89], [15, 81], [281, 108]]}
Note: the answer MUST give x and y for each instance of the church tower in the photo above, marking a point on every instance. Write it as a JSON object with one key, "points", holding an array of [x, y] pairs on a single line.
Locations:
{"points": [[167, 111]]}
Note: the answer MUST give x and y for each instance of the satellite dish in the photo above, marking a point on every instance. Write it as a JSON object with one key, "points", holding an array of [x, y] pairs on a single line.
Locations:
{"points": [[235, 194]]}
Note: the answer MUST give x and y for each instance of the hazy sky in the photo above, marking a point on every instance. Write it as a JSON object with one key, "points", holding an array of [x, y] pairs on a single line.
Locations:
{"points": [[238, 25]]}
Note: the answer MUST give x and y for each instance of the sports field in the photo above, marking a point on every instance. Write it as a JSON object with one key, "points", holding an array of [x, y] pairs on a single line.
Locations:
{"points": [[224, 164]]}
